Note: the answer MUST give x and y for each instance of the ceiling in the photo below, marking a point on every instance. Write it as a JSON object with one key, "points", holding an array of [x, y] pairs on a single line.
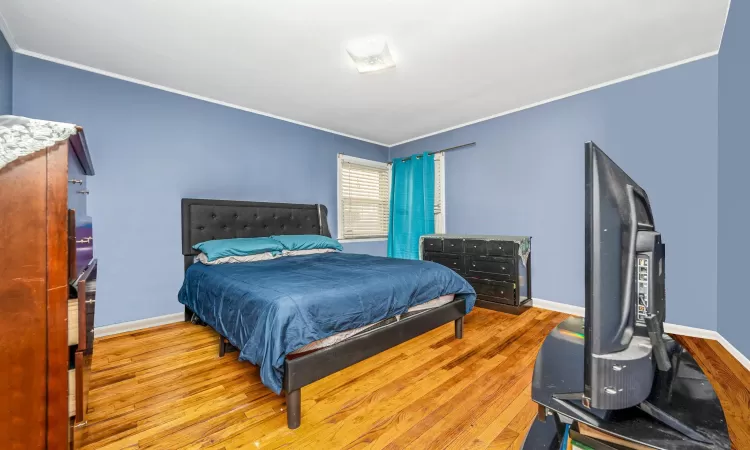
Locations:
{"points": [[456, 61]]}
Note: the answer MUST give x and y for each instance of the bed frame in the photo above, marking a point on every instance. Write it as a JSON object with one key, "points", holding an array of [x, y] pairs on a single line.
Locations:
{"points": [[204, 219]]}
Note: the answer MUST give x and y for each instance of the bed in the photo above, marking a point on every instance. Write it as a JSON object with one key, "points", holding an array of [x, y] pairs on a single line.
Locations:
{"points": [[301, 318]]}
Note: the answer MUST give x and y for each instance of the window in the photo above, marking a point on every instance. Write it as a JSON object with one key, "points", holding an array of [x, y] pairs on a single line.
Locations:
{"points": [[364, 198], [364, 191]]}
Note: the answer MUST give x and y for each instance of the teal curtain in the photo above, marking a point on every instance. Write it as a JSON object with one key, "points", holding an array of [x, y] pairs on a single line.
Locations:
{"points": [[412, 204]]}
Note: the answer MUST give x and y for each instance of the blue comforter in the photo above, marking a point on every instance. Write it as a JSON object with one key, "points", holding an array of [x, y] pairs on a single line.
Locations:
{"points": [[268, 309]]}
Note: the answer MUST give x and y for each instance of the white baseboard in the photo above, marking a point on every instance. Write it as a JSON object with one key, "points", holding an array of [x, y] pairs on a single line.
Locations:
{"points": [[734, 352], [559, 307], [668, 328], [124, 327], [673, 328]]}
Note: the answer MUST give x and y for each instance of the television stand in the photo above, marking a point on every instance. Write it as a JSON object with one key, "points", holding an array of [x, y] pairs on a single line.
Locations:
{"points": [[682, 411]]}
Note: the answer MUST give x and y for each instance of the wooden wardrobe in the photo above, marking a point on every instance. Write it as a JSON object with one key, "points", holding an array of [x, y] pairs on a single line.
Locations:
{"points": [[42, 263]]}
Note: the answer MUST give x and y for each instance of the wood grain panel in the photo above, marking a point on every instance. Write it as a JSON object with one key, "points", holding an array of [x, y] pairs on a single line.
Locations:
{"points": [[731, 382], [166, 388], [23, 302], [57, 296]]}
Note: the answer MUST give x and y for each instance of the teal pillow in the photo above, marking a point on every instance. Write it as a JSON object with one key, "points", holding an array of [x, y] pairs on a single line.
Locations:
{"points": [[221, 248], [308, 242]]}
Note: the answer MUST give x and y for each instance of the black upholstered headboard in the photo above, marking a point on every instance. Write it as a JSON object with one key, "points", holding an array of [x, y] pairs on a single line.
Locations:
{"points": [[206, 219]]}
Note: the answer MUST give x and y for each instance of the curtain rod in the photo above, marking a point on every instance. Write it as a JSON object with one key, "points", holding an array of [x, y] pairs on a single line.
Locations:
{"points": [[443, 150]]}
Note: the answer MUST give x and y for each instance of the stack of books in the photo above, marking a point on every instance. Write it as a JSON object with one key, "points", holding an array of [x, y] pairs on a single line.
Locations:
{"points": [[588, 438]]}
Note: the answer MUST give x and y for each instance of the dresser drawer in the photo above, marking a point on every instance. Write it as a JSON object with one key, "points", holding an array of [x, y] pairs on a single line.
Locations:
{"points": [[73, 322], [78, 387], [449, 260], [492, 264], [500, 248], [71, 393], [432, 245], [494, 291], [491, 267], [453, 245], [86, 301], [475, 247], [80, 243]]}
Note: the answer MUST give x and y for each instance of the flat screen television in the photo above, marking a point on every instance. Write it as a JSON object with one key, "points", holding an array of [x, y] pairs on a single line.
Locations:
{"points": [[625, 296]]}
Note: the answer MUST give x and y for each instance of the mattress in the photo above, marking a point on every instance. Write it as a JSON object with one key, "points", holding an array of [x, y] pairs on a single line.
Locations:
{"points": [[344, 335], [268, 309]]}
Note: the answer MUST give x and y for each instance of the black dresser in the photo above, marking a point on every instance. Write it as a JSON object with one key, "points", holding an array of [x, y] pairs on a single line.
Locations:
{"points": [[498, 267]]}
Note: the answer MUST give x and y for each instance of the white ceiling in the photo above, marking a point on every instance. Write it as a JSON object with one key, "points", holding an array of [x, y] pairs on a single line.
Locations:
{"points": [[457, 61]]}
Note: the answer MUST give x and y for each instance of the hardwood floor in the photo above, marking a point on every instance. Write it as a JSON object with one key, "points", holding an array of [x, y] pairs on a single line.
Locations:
{"points": [[167, 388]]}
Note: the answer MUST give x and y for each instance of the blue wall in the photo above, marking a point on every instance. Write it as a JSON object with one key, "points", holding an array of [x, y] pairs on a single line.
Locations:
{"points": [[6, 77], [151, 148], [734, 182], [526, 176]]}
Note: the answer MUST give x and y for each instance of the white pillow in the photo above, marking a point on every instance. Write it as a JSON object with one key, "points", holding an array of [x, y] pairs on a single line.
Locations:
{"points": [[203, 259], [307, 252]]}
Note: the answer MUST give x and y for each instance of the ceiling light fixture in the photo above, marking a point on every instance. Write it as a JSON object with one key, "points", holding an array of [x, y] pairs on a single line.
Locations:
{"points": [[370, 54]]}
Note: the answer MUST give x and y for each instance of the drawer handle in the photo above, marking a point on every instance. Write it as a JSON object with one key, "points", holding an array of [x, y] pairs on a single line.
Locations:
{"points": [[84, 191], [473, 265], [88, 302], [85, 240], [75, 181]]}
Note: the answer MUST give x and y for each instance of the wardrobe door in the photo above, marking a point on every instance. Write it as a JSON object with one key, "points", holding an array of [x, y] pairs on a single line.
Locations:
{"points": [[23, 302]]}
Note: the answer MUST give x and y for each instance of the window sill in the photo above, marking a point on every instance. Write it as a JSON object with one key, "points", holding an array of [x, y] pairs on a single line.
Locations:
{"points": [[349, 241]]}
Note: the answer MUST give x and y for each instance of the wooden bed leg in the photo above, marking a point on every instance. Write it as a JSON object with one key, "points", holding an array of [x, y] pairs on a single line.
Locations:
{"points": [[222, 348], [459, 327], [293, 409]]}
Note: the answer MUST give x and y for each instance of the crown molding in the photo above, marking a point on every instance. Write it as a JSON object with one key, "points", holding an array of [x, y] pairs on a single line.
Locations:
{"points": [[724, 28], [5, 29], [560, 97], [389, 146], [86, 68]]}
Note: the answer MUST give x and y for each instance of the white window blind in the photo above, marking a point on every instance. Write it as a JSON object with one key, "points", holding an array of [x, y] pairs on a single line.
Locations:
{"points": [[439, 193], [364, 198]]}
